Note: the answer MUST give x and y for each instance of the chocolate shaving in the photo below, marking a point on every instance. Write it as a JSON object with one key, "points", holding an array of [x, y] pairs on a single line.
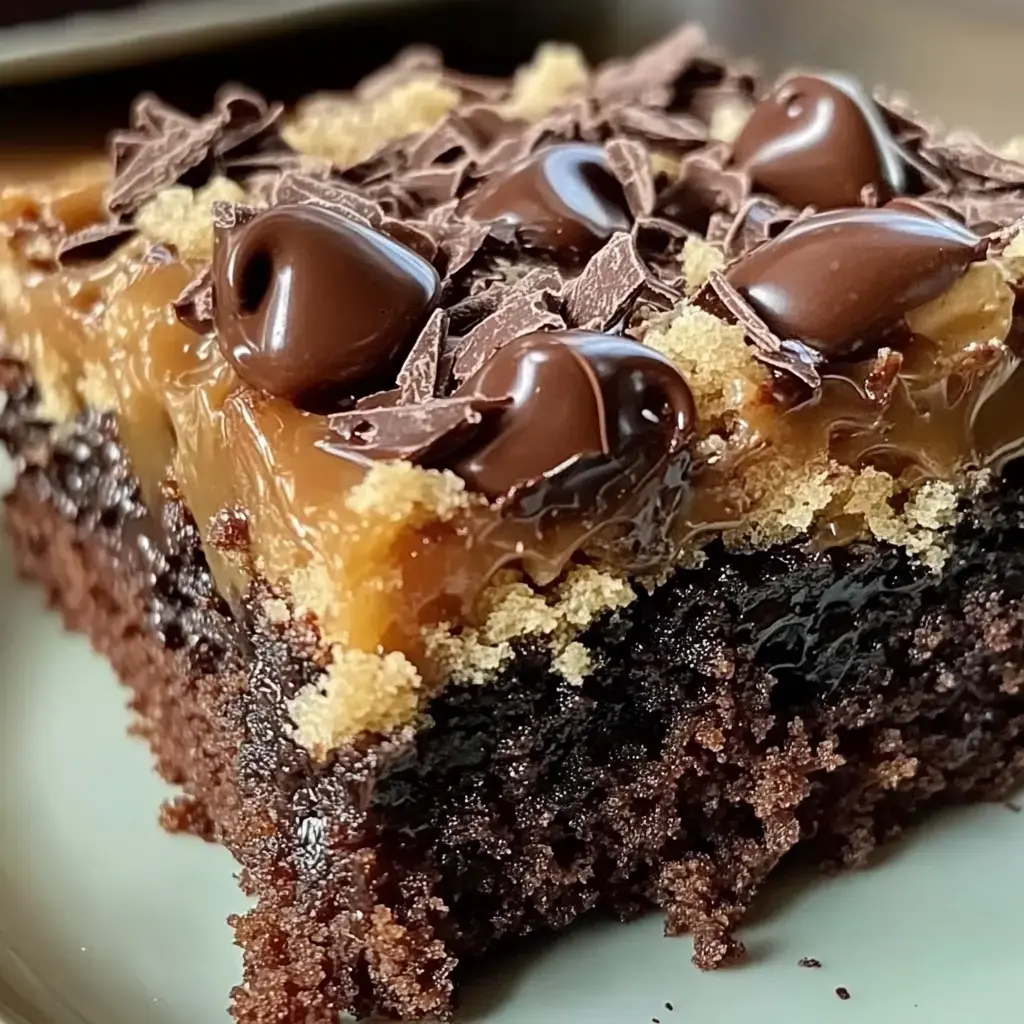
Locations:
{"points": [[416, 433], [526, 307], [461, 241], [719, 297], [631, 164], [194, 306], [883, 375], [757, 221], [301, 188], [96, 242], [247, 119], [417, 379], [659, 127], [610, 282], [648, 78], [434, 185], [164, 144], [417, 236], [449, 139], [227, 215]]}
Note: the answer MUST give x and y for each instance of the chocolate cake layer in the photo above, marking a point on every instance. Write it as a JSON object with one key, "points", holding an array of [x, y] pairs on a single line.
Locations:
{"points": [[760, 702]]}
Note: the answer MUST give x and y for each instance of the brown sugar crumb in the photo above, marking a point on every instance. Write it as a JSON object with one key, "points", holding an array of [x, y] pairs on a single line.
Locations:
{"points": [[556, 71], [843, 993], [808, 961]]}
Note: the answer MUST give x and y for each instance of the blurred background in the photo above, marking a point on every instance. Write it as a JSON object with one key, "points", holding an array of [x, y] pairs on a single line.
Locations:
{"points": [[67, 75]]}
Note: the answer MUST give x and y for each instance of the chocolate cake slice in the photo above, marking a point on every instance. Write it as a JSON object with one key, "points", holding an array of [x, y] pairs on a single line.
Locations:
{"points": [[506, 500]]}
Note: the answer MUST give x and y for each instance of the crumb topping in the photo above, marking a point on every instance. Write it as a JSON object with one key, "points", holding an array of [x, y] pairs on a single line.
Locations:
{"points": [[347, 130], [555, 73], [182, 217]]}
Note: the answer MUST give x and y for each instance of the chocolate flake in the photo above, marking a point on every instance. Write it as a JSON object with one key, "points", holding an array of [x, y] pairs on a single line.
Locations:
{"points": [[658, 126], [611, 280], [631, 164], [648, 77], [228, 215], [96, 242], [417, 379], [412, 432], [164, 144], [526, 307], [718, 296], [302, 188], [194, 306]]}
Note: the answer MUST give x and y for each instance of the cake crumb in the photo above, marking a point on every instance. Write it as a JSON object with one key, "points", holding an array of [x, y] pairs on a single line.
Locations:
{"points": [[808, 961], [556, 71], [511, 607], [359, 692], [402, 492], [182, 217], [276, 611], [574, 664], [347, 129], [700, 258], [719, 367], [843, 993], [728, 119]]}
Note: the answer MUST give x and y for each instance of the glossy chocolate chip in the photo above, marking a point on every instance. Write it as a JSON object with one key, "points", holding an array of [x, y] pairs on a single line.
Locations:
{"points": [[818, 141], [309, 304], [841, 281], [585, 409], [564, 199]]}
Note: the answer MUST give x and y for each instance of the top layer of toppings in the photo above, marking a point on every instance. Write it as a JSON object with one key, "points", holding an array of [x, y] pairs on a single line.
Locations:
{"points": [[570, 326]]}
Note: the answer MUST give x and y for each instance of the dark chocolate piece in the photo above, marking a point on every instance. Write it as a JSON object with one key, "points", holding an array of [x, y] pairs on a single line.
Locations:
{"points": [[564, 199], [164, 144], [840, 282], [96, 242], [575, 396], [611, 280], [820, 140], [309, 302]]}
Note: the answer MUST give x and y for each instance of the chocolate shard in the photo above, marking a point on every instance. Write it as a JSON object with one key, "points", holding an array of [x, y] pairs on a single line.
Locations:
{"points": [[164, 144], [610, 282], [630, 162], [682, 131], [460, 241], [648, 78], [419, 236], [416, 433], [247, 118], [433, 185], [448, 141], [758, 220], [525, 308], [967, 153], [719, 297], [417, 379], [228, 215], [331, 195], [160, 147], [194, 306], [96, 242]]}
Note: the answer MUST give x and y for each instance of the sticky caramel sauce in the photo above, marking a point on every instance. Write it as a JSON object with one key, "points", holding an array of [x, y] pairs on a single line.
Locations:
{"points": [[374, 579]]}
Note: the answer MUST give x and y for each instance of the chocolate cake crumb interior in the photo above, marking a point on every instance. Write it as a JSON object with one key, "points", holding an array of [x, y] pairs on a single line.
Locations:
{"points": [[510, 499]]}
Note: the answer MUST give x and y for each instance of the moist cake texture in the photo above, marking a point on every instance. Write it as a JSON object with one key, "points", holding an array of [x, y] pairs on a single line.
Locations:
{"points": [[511, 499]]}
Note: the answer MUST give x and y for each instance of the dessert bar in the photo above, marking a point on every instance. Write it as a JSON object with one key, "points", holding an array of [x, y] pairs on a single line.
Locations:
{"points": [[506, 500]]}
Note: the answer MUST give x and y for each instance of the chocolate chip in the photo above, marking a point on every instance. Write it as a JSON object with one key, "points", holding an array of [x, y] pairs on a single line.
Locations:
{"points": [[564, 199], [310, 304], [840, 282], [820, 140], [584, 410]]}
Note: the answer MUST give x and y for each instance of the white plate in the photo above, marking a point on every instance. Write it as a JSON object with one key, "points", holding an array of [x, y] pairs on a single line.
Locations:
{"points": [[104, 919], [151, 29]]}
